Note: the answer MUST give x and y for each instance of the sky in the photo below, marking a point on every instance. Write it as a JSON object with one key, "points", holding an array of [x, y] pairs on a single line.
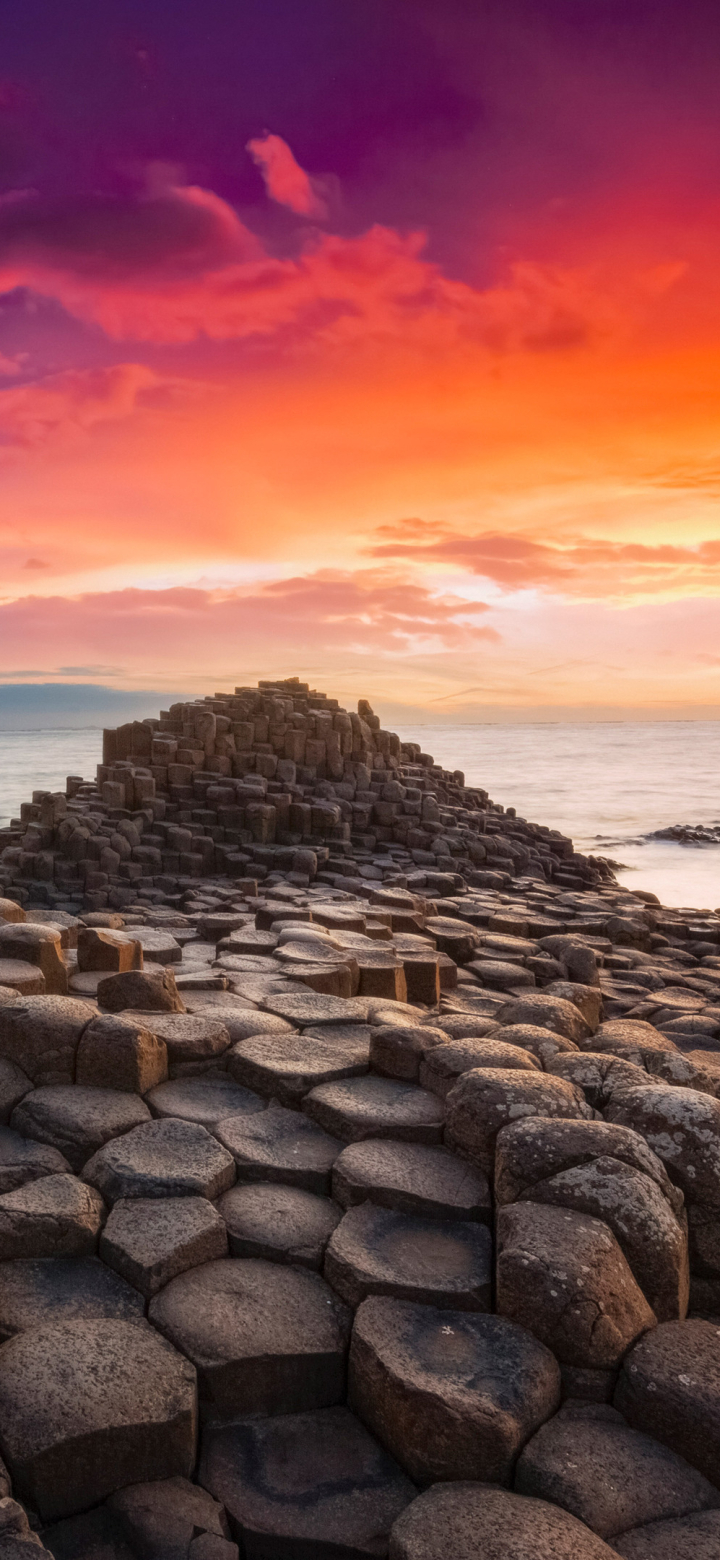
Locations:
{"points": [[373, 343]]}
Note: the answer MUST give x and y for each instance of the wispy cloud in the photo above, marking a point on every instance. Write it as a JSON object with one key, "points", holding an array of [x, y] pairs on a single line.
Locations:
{"points": [[285, 181]]}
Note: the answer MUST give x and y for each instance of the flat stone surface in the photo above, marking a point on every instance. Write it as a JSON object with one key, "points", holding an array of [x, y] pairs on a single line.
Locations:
{"points": [[358, 1108], [477, 1522], [287, 1067], [149, 1241], [305, 1484], [37, 1291], [162, 1159], [487, 1099], [280, 1145], [205, 1100], [696, 1537], [78, 1121], [451, 1395], [669, 1387], [410, 1178], [21, 1161], [563, 1276], [89, 1406], [41, 1034], [22, 977], [280, 1223], [313, 1008], [375, 1251], [57, 1216], [193, 1042], [609, 1476], [158, 947], [14, 1085], [266, 1339]]}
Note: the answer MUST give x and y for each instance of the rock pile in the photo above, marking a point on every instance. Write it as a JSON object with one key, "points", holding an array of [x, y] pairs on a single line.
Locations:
{"points": [[359, 1167]]}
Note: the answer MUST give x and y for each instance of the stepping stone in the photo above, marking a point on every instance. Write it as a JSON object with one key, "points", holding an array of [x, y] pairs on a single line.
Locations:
{"points": [[280, 1223], [280, 1145], [57, 1216], [486, 1099], [375, 1251], [477, 1522], [286, 1067], [21, 1161], [241, 1022], [314, 1008], [89, 1406], [14, 1085], [484, 1384], [41, 1034], [62, 1289], [669, 1387], [341, 1498], [444, 1064], [194, 1043], [171, 1518], [499, 975], [78, 1121], [358, 1108], [38, 946], [149, 1241], [206, 1100], [162, 1159], [397, 1050], [266, 1339], [410, 1178], [464, 1026], [685, 1538], [609, 1476], [554, 1013], [117, 1051], [145, 991], [158, 947]]}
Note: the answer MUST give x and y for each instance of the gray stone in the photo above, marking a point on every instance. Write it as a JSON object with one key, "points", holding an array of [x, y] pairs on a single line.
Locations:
{"points": [[158, 947], [476, 1522], [280, 1223], [78, 1121], [287, 1066], [149, 1241], [34, 1292], [266, 1339], [358, 1108], [451, 1395], [375, 1251], [206, 1100], [21, 1161], [162, 1159], [89, 1406], [669, 1387], [683, 1128], [542, 1043], [487, 1099], [280, 1145], [171, 1519], [57, 1216], [429, 1182], [41, 1034]]}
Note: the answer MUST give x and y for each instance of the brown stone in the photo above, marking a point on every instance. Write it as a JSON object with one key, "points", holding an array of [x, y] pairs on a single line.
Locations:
{"points": [[669, 1387], [477, 1522], [41, 1035], [56, 1216], [150, 1240], [78, 1121], [375, 1251], [487, 1099], [37, 945], [147, 991], [117, 1051], [411, 1178], [102, 949]]}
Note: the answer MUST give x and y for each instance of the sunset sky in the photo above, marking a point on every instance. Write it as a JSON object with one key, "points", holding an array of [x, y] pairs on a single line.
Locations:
{"points": [[375, 342]]}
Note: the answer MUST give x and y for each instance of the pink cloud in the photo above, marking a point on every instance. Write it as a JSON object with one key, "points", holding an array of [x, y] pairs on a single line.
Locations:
{"points": [[285, 181], [67, 406]]}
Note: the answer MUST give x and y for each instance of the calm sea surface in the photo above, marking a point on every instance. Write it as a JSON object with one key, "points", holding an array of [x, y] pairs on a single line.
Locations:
{"points": [[605, 785]]}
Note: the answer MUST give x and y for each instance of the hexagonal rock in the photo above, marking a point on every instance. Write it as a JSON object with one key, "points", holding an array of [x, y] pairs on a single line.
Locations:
{"points": [[600, 1077], [610, 1476], [77, 1121], [117, 1051], [266, 1339], [149, 1241], [314, 1008], [21, 1161], [194, 1042], [280, 1223], [669, 1387], [544, 1012], [21, 978], [441, 1068], [486, 1099], [100, 948], [286, 1067], [38, 945], [463, 1026], [341, 1497], [429, 1182], [375, 1251], [542, 1043], [161, 1159], [206, 1100], [57, 1216], [683, 1128], [242, 1022], [451, 1395], [88, 1406], [396, 1050], [358, 1108], [654, 1242], [158, 947], [563, 1276], [280, 1145], [62, 1289], [683, 1538], [539, 1147], [170, 1518], [478, 1522], [145, 991], [10, 910], [41, 1034]]}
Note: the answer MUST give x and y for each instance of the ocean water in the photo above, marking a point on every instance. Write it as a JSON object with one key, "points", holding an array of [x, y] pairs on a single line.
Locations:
{"points": [[606, 785]]}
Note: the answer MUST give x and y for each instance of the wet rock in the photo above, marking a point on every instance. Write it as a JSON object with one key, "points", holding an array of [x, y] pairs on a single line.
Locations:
{"points": [[280, 1145], [410, 1178], [146, 991], [117, 1051], [41, 1035], [442, 1066], [14, 1085], [375, 1251], [161, 1159], [34, 1292], [287, 1066], [564, 1277], [149, 1241], [205, 1100], [88, 1406], [546, 1012], [280, 1223], [478, 1522], [669, 1387], [266, 1339], [450, 1394], [21, 1161], [610, 1476], [696, 1537], [77, 1121], [487, 1099], [57, 1216], [357, 1108], [341, 1499], [537, 1148]]}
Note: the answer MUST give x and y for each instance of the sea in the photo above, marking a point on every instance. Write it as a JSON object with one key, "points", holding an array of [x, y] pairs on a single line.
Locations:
{"points": [[609, 785]]}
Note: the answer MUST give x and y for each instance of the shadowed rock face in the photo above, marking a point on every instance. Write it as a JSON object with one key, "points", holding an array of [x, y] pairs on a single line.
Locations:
{"points": [[379, 1111]]}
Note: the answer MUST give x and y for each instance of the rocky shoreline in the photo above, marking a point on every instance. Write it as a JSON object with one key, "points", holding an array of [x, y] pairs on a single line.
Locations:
{"points": [[359, 1164]]}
